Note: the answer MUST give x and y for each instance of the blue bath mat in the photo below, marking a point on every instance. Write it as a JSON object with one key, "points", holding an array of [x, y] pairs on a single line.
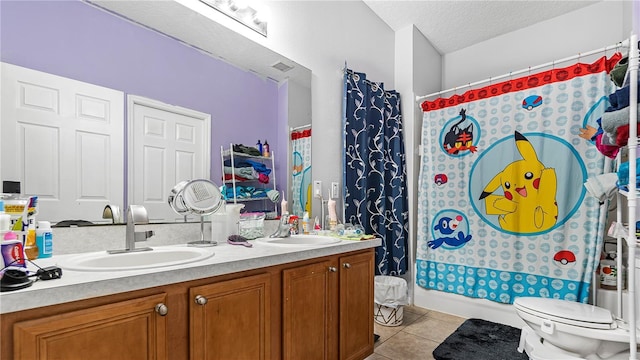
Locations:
{"points": [[479, 339]]}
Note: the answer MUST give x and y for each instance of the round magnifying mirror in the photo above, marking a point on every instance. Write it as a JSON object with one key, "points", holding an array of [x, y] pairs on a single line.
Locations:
{"points": [[175, 202], [201, 197]]}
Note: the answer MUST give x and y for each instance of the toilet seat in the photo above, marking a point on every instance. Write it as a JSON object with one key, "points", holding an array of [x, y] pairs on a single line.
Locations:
{"points": [[567, 312]]}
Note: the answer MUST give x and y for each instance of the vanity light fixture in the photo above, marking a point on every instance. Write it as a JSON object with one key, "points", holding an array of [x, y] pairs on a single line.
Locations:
{"points": [[241, 12]]}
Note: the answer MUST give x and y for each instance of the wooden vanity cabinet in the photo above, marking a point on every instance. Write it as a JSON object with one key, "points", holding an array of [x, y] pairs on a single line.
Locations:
{"points": [[133, 329], [231, 319], [328, 307], [356, 305], [312, 309]]}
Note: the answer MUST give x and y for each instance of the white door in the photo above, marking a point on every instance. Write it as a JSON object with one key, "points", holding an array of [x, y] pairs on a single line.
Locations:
{"points": [[63, 140], [167, 144]]}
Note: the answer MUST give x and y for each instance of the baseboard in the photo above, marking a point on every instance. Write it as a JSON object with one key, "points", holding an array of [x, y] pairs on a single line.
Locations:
{"points": [[466, 307]]}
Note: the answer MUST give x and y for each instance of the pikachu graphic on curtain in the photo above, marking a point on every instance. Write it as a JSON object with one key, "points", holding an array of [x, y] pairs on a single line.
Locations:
{"points": [[528, 204]]}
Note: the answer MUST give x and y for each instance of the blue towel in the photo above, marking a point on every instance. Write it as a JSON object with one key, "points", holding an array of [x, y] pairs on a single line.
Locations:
{"points": [[620, 99], [623, 173]]}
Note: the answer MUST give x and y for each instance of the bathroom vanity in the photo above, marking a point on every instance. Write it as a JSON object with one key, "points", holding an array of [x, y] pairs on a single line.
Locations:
{"points": [[265, 302]]}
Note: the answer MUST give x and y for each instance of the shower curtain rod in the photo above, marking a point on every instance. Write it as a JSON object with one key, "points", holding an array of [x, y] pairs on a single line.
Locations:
{"points": [[299, 127], [624, 43]]}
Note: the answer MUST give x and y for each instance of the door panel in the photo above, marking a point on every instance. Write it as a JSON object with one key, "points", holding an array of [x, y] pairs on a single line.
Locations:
{"points": [[306, 329], [62, 131], [356, 305], [234, 322], [126, 330], [169, 144]]}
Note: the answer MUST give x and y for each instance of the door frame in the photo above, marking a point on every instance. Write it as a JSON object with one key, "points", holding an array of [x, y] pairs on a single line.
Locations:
{"points": [[136, 100]]}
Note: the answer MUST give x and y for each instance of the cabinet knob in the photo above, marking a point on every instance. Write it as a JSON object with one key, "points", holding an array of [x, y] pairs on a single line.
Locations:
{"points": [[200, 300], [333, 269], [346, 265], [162, 309]]}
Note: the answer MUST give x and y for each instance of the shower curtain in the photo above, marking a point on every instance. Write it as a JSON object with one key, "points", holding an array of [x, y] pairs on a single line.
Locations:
{"points": [[375, 174], [301, 172], [502, 210]]}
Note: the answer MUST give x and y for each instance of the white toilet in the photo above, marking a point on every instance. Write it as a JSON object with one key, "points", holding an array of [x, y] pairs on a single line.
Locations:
{"points": [[559, 329]]}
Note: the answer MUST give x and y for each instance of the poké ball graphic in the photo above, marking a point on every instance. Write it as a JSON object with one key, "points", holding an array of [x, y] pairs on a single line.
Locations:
{"points": [[531, 102], [440, 179], [564, 257]]}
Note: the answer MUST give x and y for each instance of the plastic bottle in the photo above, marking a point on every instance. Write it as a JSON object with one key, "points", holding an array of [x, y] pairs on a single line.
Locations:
{"points": [[30, 247], [265, 149], [609, 272], [305, 223], [44, 239], [259, 146]]}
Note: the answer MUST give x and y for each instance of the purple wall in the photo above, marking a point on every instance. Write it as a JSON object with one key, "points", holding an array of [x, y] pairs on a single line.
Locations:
{"points": [[75, 40]]}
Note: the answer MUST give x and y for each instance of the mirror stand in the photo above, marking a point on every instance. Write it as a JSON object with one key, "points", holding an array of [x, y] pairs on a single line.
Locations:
{"points": [[202, 242]]}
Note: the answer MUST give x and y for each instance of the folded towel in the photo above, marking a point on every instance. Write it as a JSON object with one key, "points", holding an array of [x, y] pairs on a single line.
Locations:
{"points": [[602, 187], [245, 172], [623, 173], [620, 99], [614, 119]]}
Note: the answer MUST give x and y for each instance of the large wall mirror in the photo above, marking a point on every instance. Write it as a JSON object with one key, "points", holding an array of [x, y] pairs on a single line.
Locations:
{"points": [[158, 51]]}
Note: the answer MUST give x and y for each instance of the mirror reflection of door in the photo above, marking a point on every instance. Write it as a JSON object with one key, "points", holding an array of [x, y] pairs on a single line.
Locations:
{"points": [[62, 140], [167, 144]]}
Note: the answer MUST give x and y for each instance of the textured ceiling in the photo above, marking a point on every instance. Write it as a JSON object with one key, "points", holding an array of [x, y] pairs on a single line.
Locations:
{"points": [[453, 25]]}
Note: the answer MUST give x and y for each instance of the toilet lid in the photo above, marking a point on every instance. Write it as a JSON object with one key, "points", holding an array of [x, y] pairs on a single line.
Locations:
{"points": [[567, 312]]}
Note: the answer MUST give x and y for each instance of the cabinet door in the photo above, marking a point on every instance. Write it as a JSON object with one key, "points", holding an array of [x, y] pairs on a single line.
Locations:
{"points": [[306, 327], [356, 305], [130, 329], [231, 319]]}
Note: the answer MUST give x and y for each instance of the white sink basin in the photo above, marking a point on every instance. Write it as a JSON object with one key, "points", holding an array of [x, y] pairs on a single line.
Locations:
{"points": [[300, 240], [158, 257]]}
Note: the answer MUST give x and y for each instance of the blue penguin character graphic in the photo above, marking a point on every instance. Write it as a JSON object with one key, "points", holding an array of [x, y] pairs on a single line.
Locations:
{"points": [[448, 226]]}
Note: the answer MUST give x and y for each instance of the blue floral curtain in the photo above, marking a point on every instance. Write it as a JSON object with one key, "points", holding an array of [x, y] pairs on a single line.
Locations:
{"points": [[375, 174]]}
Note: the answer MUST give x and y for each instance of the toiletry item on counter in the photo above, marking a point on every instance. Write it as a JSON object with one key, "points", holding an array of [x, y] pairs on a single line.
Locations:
{"points": [[44, 239], [265, 149], [259, 146], [333, 216], [13, 251], [294, 221], [14, 206], [30, 246], [5, 222], [283, 205], [305, 223], [251, 225]]}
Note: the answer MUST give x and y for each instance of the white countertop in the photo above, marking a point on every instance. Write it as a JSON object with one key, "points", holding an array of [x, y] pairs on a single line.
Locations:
{"points": [[79, 285]]}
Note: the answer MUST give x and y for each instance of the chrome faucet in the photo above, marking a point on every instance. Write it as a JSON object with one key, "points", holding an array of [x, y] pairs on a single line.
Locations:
{"points": [[284, 228], [112, 212], [136, 215]]}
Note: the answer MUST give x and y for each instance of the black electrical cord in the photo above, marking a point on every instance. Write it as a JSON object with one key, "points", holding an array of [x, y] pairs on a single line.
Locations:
{"points": [[47, 273]]}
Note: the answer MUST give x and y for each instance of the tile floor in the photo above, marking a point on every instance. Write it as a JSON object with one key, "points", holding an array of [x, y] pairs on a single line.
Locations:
{"points": [[421, 332]]}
